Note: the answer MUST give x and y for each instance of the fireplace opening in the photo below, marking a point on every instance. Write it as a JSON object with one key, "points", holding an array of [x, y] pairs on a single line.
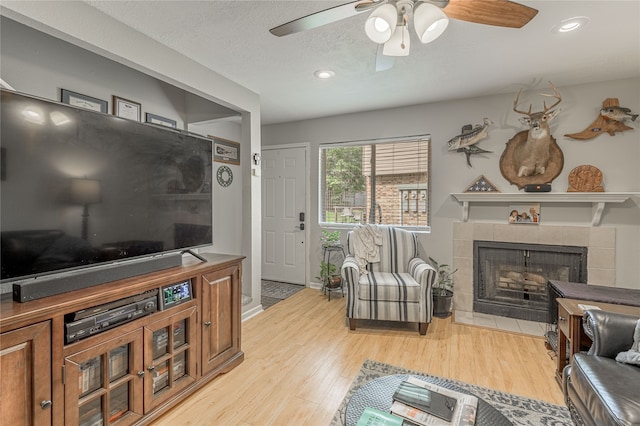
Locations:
{"points": [[510, 279]]}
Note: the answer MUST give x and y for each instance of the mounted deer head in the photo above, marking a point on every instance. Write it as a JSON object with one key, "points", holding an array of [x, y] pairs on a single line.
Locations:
{"points": [[534, 155]]}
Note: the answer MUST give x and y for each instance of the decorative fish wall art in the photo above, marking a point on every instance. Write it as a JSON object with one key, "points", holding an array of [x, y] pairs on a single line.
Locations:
{"points": [[466, 141], [611, 119]]}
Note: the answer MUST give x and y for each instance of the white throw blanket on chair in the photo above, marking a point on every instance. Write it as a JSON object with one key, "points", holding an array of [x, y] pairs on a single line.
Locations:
{"points": [[366, 241]]}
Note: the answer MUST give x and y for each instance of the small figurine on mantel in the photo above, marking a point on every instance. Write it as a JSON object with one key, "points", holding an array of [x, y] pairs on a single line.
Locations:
{"points": [[585, 178], [610, 119], [467, 140]]}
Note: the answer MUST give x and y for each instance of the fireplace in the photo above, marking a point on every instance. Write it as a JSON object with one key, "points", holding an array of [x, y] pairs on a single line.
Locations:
{"points": [[510, 279]]}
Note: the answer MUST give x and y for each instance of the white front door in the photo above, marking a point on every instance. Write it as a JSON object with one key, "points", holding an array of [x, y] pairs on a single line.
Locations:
{"points": [[283, 202]]}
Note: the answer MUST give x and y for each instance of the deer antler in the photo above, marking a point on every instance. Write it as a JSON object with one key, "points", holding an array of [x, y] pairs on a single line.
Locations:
{"points": [[556, 94], [515, 105]]}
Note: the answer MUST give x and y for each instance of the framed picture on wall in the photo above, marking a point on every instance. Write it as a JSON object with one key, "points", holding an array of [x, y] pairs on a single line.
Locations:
{"points": [[83, 101], [161, 121], [225, 151], [127, 109]]}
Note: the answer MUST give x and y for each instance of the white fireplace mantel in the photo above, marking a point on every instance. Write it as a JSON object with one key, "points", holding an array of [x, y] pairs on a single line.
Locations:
{"points": [[597, 199]]}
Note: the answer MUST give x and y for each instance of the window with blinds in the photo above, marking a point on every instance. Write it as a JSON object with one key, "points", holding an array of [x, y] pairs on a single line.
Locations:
{"points": [[383, 182]]}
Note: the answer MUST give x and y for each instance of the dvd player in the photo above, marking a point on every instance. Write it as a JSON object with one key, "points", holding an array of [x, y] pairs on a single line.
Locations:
{"points": [[107, 316]]}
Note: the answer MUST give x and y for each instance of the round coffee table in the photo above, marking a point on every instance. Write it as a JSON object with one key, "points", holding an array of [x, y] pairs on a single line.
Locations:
{"points": [[378, 393]]}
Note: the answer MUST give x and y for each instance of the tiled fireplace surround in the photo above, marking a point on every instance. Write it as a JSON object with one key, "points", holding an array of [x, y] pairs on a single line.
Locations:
{"points": [[600, 242]]}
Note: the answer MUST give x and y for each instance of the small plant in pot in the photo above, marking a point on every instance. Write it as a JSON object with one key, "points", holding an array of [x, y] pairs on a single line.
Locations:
{"points": [[442, 290], [330, 238], [329, 275]]}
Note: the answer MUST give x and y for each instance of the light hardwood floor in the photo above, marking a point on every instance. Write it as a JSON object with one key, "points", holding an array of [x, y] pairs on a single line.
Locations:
{"points": [[300, 359]]}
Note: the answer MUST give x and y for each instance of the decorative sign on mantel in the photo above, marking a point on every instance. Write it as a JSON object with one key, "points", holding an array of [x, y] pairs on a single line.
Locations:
{"points": [[585, 178]]}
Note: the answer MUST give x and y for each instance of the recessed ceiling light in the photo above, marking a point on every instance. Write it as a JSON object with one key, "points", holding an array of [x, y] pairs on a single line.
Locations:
{"points": [[571, 24], [324, 74]]}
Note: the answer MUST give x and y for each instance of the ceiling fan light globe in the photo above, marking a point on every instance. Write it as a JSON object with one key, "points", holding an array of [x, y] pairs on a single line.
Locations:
{"points": [[381, 24], [399, 43], [429, 22]]}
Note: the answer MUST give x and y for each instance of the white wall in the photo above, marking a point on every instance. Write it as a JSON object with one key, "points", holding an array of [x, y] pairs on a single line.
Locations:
{"points": [[617, 156], [133, 66], [227, 223]]}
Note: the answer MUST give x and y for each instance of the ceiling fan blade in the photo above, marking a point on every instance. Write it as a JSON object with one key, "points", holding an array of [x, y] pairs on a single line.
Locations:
{"points": [[501, 13], [384, 62], [323, 17]]}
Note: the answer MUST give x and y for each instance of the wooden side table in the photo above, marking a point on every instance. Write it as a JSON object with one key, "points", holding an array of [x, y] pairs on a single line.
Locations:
{"points": [[570, 327]]}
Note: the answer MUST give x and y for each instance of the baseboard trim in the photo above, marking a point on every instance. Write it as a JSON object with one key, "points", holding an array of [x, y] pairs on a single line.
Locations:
{"points": [[314, 285], [252, 313]]}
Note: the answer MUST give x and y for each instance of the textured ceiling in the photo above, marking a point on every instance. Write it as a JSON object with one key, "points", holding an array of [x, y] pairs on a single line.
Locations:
{"points": [[232, 38]]}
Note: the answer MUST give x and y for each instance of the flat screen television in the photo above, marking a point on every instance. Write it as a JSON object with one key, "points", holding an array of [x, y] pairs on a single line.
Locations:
{"points": [[81, 190]]}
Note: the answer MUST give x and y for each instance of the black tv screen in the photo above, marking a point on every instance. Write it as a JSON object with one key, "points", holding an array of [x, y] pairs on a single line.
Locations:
{"points": [[81, 188]]}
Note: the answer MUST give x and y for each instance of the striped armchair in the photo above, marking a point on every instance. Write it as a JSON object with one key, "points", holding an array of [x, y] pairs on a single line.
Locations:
{"points": [[397, 288]]}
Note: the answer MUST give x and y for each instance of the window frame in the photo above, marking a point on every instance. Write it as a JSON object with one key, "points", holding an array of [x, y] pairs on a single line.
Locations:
{"points": [[417, 186]]}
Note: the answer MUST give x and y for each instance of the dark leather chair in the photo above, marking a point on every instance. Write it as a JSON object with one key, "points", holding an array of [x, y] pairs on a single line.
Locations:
{"points": [[597, 389]]}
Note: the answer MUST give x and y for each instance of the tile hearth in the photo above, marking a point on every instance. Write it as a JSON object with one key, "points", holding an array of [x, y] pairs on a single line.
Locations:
{"points": [[500, 323]]}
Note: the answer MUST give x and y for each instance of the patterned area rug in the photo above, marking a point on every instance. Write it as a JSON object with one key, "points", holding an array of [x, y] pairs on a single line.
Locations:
{"points": [[274, 292], [519, 410]]}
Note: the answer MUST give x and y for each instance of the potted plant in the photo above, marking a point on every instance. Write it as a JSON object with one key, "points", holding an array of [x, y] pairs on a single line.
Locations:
{"points": [[328, 275], [330, 238], [442, 291], [328, 271]]}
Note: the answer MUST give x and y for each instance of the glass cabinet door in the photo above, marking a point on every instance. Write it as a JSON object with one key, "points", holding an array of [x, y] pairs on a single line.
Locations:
{"points": [[108, 377], [170, 357]]}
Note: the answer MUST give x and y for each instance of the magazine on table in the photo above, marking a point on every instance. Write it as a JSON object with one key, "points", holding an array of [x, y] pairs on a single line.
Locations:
{"points": [[463, 406]]}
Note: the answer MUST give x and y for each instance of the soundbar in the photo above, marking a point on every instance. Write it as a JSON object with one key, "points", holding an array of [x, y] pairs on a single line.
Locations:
{"points": [[39, 287]]}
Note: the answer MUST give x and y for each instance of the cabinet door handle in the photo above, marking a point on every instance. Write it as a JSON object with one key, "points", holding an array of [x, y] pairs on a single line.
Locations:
{"points": [[45, 404], [140, 373], [561, 318], [208, 323], [151, 367]]}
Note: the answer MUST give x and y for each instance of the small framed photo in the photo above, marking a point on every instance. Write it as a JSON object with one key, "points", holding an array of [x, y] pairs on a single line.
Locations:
{"points": [[225, 151], [127, 109], [524, 214], [83, 101], [161, 121]]}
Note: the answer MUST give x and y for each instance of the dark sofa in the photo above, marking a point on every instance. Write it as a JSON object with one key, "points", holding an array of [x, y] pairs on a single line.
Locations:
{"points": [[599, 390]]}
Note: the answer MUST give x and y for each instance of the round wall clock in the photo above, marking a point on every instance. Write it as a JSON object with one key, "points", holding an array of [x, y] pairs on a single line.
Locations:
{"points": [[224, 175]]}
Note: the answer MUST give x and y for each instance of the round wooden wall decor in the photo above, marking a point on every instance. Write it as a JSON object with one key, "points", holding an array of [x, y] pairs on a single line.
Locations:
{"points": [[585, 178]]}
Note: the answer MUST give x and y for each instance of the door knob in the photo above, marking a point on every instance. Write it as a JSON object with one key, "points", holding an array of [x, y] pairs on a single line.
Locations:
{"points": [[45, 404]]}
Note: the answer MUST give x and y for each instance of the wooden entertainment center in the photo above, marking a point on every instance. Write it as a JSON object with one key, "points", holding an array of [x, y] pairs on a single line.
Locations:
{"points": [[129, 374]]}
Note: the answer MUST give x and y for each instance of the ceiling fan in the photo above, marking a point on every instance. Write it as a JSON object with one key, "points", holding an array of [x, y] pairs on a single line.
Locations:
{"points": [[388, 23]]}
